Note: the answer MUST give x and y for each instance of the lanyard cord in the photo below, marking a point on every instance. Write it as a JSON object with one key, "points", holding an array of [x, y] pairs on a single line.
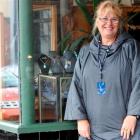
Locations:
{"points": [[101, 63]]}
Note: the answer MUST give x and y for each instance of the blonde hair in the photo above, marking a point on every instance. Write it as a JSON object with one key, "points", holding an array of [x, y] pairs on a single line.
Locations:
{"points": [[106, 6]]}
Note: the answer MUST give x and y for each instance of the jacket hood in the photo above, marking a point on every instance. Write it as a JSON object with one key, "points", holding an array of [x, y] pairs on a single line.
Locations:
{"points": [[95, 43]]}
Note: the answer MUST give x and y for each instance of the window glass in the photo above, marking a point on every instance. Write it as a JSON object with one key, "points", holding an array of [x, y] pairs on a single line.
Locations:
{"points": [[9, 78]]}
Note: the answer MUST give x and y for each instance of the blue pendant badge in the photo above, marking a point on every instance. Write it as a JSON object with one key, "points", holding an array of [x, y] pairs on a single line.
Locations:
{"points": [[101, 88]]}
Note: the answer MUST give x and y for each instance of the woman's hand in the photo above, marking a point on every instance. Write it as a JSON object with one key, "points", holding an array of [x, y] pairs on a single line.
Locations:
{"points": [[128, 127], [83, 128]]}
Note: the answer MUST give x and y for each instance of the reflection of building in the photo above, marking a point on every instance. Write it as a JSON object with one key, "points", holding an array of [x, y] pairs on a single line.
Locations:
{"points": [[4, 40], [1, 37]]}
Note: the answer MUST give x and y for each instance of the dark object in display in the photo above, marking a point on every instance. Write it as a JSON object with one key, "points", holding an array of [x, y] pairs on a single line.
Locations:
{"points": [[44, 63], [133, 25], [56, 66], [135, 1], [68, 61]]}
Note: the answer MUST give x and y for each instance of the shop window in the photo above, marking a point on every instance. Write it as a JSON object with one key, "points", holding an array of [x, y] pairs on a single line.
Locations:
{"points": [[45, 30], [9, 78]]}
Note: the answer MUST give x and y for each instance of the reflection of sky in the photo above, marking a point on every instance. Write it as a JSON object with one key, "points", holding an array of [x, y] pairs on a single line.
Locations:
{"points": [[4, 5]]}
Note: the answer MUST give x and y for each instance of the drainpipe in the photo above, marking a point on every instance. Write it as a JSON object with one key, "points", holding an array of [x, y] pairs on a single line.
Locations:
{"points": [[26, 62]]}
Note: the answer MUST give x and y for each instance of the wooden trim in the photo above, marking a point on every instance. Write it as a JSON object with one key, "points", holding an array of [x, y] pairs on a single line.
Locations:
{"points": [[133, 8], [54, 28], [53, 9]]}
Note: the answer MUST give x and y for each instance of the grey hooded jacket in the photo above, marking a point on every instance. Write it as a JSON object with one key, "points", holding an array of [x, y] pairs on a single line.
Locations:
{"points": [[121, 74]]}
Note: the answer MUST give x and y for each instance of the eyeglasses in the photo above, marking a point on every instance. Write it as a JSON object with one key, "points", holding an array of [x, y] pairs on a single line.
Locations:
{"points": [[105, 20]]}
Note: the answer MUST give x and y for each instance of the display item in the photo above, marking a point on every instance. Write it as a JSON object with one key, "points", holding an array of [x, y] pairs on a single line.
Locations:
{"points": [[44, 63], [68, 61], [48, 98]]}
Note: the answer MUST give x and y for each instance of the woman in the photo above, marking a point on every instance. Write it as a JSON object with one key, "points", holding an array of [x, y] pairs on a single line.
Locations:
{"points": [[104, 95]]}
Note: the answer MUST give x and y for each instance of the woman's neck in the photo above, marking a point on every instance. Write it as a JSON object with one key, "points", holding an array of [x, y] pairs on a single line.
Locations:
{"points": [[108, 41]]}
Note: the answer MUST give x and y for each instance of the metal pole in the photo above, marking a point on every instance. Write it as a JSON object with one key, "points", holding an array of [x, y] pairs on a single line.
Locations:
{"points": [[26, 62]]}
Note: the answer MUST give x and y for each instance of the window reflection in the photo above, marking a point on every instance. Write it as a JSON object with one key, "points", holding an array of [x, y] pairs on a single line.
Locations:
{"points": [[45, 31], [45, 40], [9, 93], [42, 23]]}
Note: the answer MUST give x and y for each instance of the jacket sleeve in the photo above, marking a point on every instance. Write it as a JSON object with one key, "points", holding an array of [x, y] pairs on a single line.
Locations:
{"points": [[75, 108], [134, 101]]}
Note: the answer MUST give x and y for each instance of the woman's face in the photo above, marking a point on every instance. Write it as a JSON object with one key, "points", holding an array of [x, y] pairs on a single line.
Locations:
{"points": [[107, 24]]}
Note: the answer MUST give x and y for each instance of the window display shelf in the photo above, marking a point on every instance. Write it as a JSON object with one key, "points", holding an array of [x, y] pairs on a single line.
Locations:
{"points": [[37, 127]]}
